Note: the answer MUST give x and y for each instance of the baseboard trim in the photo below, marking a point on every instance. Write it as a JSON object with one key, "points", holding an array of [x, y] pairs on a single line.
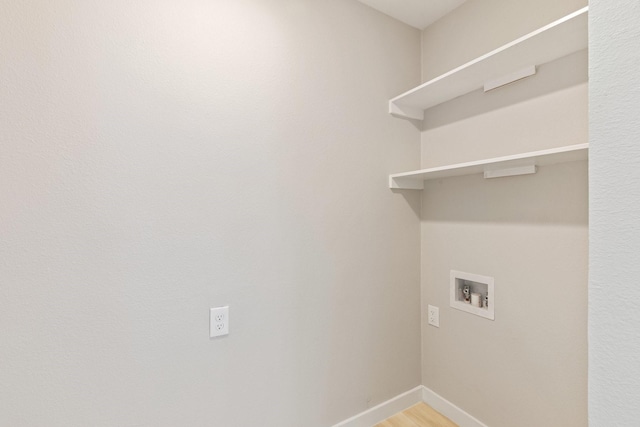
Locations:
{"points": [[381, 412], [449, 410]]}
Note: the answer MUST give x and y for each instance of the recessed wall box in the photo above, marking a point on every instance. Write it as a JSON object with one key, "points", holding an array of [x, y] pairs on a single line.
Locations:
{"points": [[463, 285]]}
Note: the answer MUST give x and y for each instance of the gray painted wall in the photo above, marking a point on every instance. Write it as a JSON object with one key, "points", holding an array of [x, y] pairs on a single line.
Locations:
{"points": [[159, 158], [528, 368]]}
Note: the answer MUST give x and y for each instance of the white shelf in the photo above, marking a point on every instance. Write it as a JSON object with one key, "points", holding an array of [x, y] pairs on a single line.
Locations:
{"points": [[546, 44], [415, 180]]}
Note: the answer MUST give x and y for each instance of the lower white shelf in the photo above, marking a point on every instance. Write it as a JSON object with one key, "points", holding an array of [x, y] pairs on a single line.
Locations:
{"points": [[498, 166]]}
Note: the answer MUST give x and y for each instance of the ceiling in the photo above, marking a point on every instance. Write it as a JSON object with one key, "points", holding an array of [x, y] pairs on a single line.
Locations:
{"points": [[417, 13]]}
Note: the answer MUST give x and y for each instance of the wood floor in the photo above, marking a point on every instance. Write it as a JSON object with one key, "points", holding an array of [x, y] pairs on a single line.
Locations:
{"points": [[420, 415]]}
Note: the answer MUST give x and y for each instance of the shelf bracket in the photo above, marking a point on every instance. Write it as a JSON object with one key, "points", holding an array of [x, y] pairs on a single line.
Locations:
{"points": [[510, 78], [404, 112], [510, 171], [406, 183]]}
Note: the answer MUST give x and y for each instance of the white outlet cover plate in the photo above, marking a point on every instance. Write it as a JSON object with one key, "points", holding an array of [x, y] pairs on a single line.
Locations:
{"points": [[219, 321], [433, 314]]}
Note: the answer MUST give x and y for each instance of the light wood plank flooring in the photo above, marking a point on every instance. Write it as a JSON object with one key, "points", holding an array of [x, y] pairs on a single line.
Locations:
{"points": [[420, 415]]}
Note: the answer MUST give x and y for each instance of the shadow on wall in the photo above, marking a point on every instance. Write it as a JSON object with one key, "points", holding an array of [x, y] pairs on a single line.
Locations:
{"points": [[413, 202], [556, 194], [554, 76]]}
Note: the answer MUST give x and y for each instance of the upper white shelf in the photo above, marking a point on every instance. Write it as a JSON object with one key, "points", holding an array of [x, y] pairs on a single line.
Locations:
{"points": [[495, 167], [546, 44]]}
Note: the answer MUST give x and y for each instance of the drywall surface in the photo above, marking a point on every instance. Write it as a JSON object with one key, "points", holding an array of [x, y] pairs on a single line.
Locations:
{"points": [[159, 158], [545, 111], [614, 93], [480, 26], [528, 367]]}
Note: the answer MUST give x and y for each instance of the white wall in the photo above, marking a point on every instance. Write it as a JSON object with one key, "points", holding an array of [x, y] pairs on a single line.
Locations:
{"points": [[528, 368], [614, 210], [479, 26], [158, 158]]}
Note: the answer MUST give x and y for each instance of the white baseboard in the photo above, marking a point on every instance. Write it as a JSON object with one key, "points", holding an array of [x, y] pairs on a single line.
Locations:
{"points": [[381, 412], [449, 410]]}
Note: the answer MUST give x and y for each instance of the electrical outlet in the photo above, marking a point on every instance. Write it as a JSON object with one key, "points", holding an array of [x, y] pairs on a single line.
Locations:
{"points": [[434, 316], [219, 321]]}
